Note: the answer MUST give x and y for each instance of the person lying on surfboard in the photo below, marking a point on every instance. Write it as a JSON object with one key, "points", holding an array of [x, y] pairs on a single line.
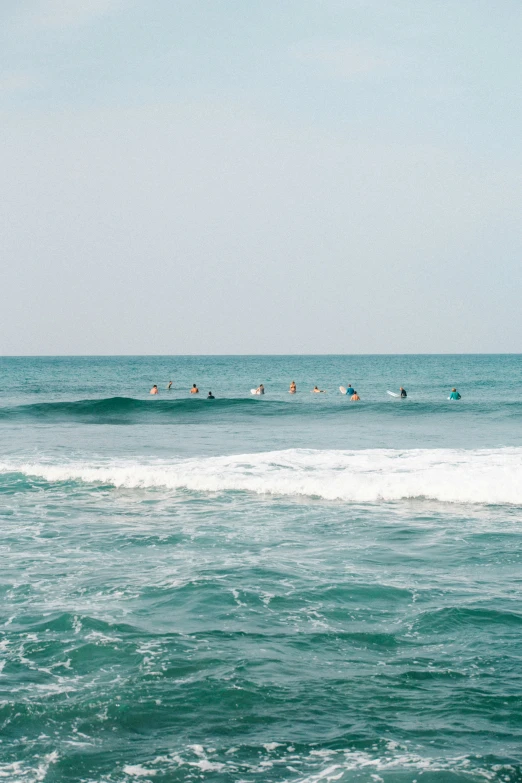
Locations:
{"points": [[317, 390]]}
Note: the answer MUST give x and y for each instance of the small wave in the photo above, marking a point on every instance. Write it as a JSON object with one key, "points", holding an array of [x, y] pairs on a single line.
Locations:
{"points": [[486, 476], [130, 410], [450, 617]]}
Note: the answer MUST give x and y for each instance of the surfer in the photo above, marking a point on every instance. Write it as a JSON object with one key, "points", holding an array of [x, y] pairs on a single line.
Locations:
{"points": [[317, 390], [355, 397], [260, 389], [194, 389], [169, 385], [154, 389], [293, 388], [403, 393], [210, 396], [454, 395], [350, 390]]}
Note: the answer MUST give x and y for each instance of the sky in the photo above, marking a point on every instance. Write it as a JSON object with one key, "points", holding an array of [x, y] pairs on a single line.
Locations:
{"points": [[258, 176]]}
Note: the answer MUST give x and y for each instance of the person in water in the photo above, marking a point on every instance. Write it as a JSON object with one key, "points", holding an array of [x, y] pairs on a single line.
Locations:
{"points": [[194, 389], [293, 388], [355, 397], [169, 385], [260, 389], [403, 392], [154, 389], [350, 390], [210, 396], [317, 390], [454, 395]]}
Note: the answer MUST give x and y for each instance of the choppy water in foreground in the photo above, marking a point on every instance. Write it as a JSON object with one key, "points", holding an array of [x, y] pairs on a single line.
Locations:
{"points": [[290, 588]]}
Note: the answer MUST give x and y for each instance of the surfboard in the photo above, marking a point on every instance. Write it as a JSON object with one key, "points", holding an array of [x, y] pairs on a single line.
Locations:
{"points": [[342, 389], [393, 394], [254, 391]]}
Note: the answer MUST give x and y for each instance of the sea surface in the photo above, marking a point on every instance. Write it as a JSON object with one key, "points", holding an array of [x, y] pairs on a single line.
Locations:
{"points": [[293, 588]]}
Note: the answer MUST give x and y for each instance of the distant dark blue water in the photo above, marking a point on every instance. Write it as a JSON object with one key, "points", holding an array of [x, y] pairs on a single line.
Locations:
{"points": [[289, 588]]}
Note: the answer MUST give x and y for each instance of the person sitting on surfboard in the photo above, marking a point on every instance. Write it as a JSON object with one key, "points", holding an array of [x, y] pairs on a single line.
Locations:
{"points": [[403, 392], [210, 396], [169, 387], [317, 390], [260, 389], [293, 388], [350, 390], [194, 389], [154, 389], [454, 395], [355, 397]]}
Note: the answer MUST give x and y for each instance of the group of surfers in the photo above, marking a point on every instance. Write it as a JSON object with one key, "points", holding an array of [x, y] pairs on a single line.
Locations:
{"points": [[349, 391], [194, 390]]}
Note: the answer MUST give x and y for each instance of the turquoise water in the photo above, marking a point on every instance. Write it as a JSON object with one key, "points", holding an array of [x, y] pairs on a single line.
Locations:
{"points": [[288, 588]]}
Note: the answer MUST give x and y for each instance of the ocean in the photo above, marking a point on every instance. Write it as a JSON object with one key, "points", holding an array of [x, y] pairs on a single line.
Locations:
{"points": [[288, 588]]}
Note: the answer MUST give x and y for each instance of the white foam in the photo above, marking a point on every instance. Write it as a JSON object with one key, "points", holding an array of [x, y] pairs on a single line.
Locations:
{"points": [[137, 771], [324, 766], [492, 476]]}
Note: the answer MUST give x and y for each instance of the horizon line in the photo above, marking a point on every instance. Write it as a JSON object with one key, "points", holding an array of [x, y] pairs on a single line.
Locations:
{"points": [[223, 355]]}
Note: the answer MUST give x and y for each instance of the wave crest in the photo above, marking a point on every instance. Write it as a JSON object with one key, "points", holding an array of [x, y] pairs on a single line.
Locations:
{"points": [[488, 476], [128, 408]]}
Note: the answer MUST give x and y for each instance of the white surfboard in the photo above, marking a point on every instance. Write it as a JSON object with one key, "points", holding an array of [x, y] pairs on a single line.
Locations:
{"points": [[254, 391], [342, 389], [393, 394]]}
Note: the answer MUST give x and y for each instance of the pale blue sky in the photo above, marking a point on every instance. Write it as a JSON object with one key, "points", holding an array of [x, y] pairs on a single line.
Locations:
{"points": [[260, 177]]}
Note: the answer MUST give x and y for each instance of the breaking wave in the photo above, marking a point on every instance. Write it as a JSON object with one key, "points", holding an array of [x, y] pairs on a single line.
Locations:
{"points": [[485, 476]]}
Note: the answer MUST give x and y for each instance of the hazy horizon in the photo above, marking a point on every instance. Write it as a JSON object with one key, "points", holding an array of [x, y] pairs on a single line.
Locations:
{"points": [[202, 355], [320, 178]]}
